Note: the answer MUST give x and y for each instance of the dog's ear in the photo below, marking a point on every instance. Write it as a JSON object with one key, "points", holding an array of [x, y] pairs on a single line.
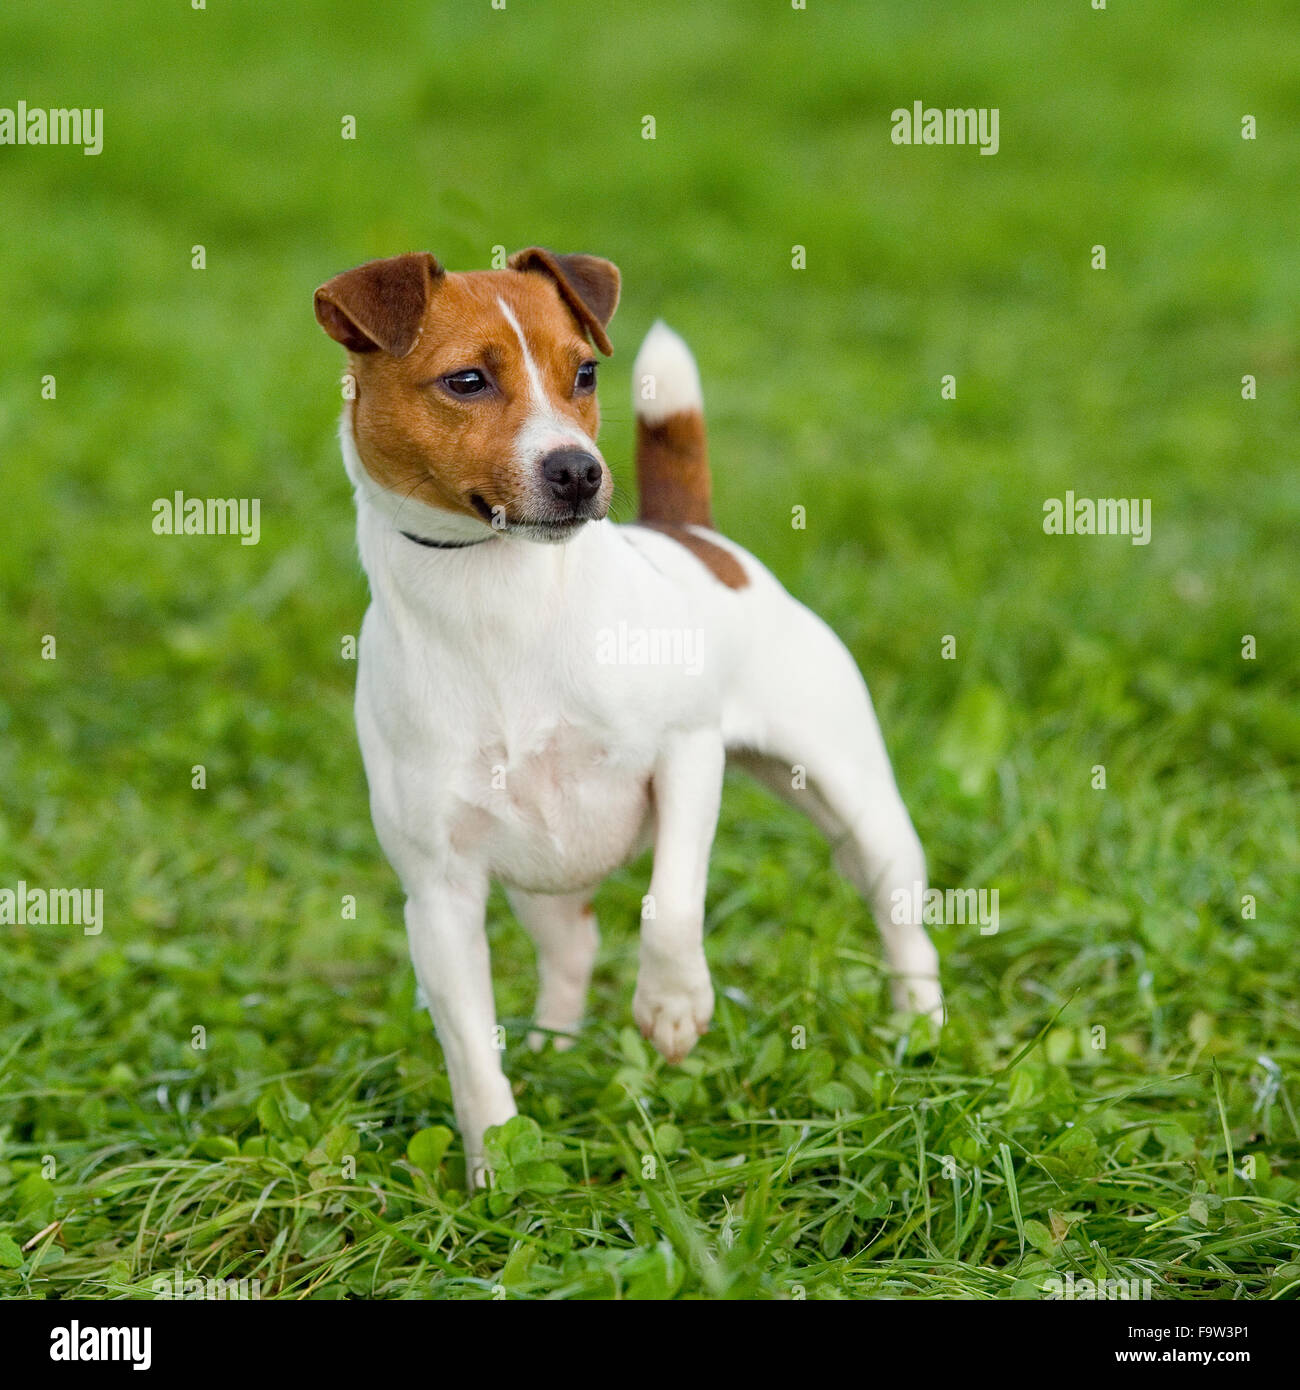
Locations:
{"points": [[587, 284], [379, 306]]}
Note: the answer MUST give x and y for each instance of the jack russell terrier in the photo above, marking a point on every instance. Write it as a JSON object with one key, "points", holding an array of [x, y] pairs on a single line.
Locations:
{"points": [[505, 734]]}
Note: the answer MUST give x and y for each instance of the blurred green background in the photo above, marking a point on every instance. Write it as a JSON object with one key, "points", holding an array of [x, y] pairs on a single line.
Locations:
{"points": [[477, 128]]}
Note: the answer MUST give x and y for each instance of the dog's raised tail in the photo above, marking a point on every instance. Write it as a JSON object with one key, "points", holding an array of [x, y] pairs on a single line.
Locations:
{"points": [[672, 457]]}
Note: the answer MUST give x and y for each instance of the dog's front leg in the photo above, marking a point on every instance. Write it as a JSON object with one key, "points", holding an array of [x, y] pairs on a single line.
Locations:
{"points": [[446, 929], [674, 996]]}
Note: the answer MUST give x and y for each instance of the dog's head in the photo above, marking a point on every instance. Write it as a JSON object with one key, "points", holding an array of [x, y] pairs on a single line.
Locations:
{"points": [[475, 394]]}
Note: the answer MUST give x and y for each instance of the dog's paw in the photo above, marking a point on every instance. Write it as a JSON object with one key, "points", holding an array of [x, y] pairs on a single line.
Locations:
{"points": [[672, 1015], [919, 994], [476, 1115]]}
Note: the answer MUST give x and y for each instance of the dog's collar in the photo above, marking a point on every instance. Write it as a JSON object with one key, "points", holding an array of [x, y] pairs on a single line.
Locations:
{"points": [[445, 545]]}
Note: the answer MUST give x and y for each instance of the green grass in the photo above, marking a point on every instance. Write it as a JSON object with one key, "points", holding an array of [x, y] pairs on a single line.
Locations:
{"points": [[866, 1162]]}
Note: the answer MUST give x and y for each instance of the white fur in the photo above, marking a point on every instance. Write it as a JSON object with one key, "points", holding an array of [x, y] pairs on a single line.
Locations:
{"points": [[501, 744], [544, 428], [665, 379]]}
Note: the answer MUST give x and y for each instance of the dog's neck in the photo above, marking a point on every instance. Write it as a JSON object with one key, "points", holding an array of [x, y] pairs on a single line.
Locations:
{"points": [[474, 580]]}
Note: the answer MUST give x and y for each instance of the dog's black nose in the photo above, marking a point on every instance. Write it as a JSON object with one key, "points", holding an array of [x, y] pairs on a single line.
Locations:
{"points": [[573, 475]]}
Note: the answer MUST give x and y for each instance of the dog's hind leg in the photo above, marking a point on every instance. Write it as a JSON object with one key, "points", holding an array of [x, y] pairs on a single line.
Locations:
{"points": [[563, 929], [817, 744], [875, 847], [880, 854]]}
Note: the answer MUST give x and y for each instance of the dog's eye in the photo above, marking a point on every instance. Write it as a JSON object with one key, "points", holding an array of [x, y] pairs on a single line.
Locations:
{"points": [[467, 383], [585, 382]]}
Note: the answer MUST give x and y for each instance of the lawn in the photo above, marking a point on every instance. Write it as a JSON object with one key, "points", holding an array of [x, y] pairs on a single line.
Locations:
{"points": [[232, 1079]]}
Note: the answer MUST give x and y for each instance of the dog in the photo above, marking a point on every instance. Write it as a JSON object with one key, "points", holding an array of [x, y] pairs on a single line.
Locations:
{"points": [[523, 705]]}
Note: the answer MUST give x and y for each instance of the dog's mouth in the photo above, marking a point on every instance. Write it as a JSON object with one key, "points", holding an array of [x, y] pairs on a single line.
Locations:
{"points": [[546, 527], [550, 531]]}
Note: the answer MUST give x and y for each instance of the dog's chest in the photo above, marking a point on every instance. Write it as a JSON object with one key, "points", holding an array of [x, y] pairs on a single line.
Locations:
{"points": [[552, 807]]}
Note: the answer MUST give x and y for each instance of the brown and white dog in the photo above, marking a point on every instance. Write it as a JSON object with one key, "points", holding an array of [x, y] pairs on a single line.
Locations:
{"points": [[542, 693]]}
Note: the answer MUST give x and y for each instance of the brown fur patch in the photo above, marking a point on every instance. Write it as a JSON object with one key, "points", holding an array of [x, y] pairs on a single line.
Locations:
{"points": [[589, 284], [723, 564], [417, 440], [378, 306], [672, 470]]}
